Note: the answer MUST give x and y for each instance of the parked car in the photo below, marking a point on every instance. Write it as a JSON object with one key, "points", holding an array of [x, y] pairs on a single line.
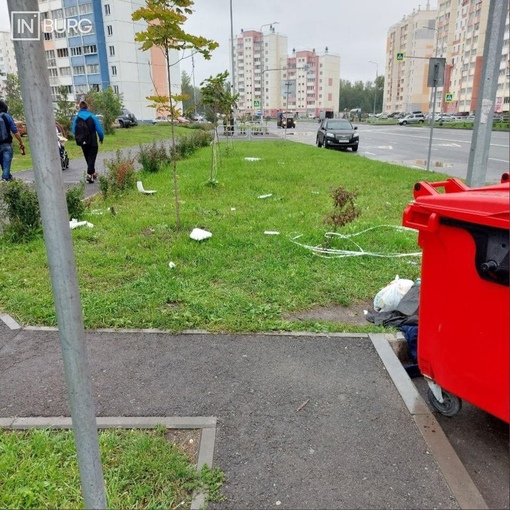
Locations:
{"points": [[338, 133], [412, 118], [161, 119], [126, 119]]}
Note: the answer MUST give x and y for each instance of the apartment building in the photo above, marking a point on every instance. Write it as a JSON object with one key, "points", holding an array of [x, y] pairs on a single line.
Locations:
{"points": [[405, 84], [267, 79], [7, 59], [458, 29], [465, 28], [90, 45]]}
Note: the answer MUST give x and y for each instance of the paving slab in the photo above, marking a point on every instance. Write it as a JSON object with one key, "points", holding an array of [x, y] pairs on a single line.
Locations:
{"points": [[302, 421]]}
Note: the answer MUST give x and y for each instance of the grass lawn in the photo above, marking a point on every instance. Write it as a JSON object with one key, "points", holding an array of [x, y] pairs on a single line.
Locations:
{"points": [[241, 279], [122, 138], [39, 469]]}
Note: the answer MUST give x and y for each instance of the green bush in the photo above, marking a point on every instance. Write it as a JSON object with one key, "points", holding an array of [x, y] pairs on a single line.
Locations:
{"points": [[23, 217], [189, 144], [75, 204], [153, 157], [120, 175]]}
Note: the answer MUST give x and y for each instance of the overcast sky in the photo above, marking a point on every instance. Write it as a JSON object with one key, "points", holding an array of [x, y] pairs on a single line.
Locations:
{"points": [[355, 30]]}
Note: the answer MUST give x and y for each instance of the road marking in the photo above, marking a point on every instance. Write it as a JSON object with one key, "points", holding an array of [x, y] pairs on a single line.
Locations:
{"points": [[449, 145], [501, 160], [371, 153], [385, 147]]}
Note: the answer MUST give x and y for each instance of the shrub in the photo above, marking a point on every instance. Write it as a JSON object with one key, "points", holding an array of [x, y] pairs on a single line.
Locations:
{"points": [[344, 208], [187, 145], [22, 211], [153, 157], [120, 175], [75, 204]]}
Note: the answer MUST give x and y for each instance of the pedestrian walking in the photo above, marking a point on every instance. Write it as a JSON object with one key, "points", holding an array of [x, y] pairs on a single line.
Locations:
{"points": [[7, 129], [87, 129]]}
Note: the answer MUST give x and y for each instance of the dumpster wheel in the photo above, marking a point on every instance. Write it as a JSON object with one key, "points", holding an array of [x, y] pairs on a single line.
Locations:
{"points": [[450, 406]]}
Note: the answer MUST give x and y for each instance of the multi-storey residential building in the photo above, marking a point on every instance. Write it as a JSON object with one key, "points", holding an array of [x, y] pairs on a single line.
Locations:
{"points": [[100, 51], [458, 28], [405, 84], [7, 59], [268, 80], [465, 23]]}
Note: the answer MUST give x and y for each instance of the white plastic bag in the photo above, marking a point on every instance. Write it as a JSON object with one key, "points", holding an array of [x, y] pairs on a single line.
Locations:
{"points": [[387, 299]]}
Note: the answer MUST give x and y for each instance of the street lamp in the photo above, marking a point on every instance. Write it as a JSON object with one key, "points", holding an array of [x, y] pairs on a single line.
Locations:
{"points": [[375, 82]]}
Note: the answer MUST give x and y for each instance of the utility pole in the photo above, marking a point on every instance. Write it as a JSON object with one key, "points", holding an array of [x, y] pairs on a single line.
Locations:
{"points": [[37, 102], [482, 130], [232, 49], [375, 82]]}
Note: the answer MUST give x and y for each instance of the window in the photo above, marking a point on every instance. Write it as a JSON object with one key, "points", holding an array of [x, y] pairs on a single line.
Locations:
{"points": [[76, 51], [71, 11], [109, 30], [112, 51], [60, 35], [62, 52], [78, 70], [65, 71], [107, 9], [53, 72], [48, 36], [92, 68], [87, 50], [116, 89], [85, 8], [57, 14], [114, 70]]}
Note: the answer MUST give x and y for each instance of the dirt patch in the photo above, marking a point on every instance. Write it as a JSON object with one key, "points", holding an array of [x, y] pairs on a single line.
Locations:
{"points": [[187, 440], [353, 314]]}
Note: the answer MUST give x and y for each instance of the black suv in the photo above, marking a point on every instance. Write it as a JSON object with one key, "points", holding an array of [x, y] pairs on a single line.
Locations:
{"points": [[339, 133], [127, 119]]}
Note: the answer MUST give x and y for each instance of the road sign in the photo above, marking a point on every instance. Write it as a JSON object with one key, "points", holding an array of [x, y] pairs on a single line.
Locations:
{"points": [[256, 103], [448, 97], [400, 56], [436, 72], [259, 112]]}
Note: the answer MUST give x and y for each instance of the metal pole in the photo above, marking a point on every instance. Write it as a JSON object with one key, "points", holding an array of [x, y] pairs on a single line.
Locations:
{"points": [[232, 49], [480, 142], [434, 92], [375, 83], [35, 89]]}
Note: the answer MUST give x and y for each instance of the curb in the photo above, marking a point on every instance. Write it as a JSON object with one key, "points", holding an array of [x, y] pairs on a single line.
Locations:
{"points": [[458, 479], [207, 424]]}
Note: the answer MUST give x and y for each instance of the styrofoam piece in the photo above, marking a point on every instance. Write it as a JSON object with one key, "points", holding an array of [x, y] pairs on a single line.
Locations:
{"points": [[199, 235], [252, 159], [271, 233], [266, 196], [75, 223]]}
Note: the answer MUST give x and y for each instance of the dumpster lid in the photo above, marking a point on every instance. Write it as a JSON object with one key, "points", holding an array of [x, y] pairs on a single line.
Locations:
{"points": [[487, 206]]}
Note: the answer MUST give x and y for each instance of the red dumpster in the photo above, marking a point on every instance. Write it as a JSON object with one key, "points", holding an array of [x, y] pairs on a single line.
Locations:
{"points": [[463, 332]]}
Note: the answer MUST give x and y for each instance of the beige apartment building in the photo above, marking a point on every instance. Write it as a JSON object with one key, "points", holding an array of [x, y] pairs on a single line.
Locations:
{"points": [[267, 79], [456, 31], [405, 84]]}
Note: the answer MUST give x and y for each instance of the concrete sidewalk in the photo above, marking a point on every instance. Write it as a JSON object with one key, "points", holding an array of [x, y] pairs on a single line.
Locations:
{"points": [[303, 421]]}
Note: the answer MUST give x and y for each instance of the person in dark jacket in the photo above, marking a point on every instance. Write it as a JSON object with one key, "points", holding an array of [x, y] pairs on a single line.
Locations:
{"points": [[90, 150], [6, 151]]}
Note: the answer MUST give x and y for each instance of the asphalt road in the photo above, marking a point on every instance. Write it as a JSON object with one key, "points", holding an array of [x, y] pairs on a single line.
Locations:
{"points": [[408, 146]]}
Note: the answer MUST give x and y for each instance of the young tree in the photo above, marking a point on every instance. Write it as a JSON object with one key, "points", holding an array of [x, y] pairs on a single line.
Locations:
{"points": [[107, 103], [65, 108], [164, 29], [13, 97], [216, 95]]}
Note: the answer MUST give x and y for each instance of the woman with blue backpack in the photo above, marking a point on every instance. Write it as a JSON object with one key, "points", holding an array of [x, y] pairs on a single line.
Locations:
{"points": [[7, 126]]}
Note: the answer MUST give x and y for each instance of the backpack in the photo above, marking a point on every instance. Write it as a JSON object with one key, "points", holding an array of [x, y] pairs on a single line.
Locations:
{"points": [[82, 132], [4, 130]]}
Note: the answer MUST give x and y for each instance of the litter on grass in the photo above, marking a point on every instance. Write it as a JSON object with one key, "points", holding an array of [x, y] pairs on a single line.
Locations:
{"points": [[266, 196], [198, 234], [74, 223], [252, 159], [321, 251], [171, 265], [271, 233]]}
